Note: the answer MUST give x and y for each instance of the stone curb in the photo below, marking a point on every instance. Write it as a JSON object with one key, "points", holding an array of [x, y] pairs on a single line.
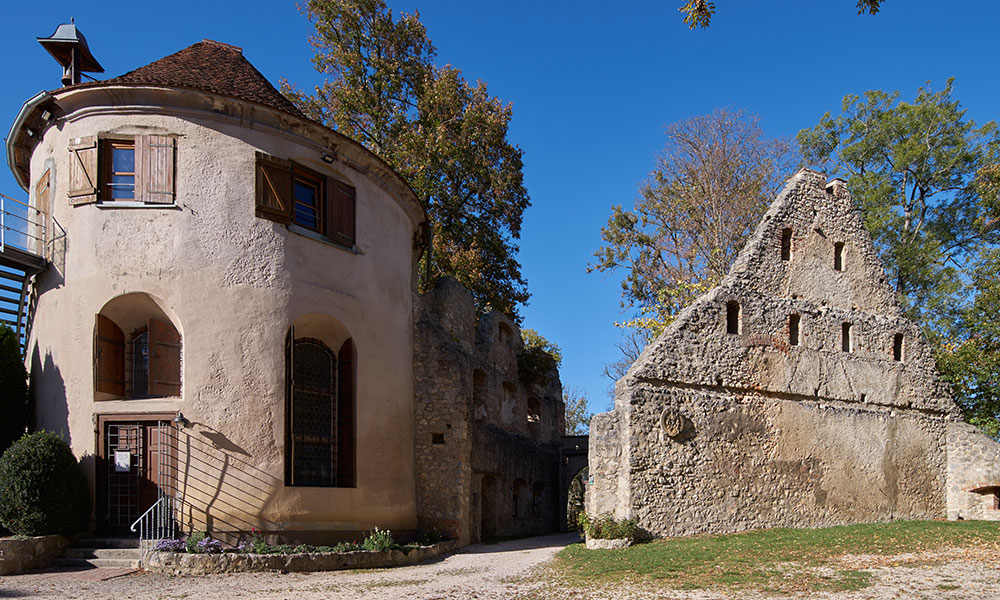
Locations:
{"points": [[614, 544], [19, 555], [181, 563]]}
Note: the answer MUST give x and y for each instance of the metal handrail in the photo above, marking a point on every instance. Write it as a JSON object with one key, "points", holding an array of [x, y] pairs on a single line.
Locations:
{"points": [[156, 524]]}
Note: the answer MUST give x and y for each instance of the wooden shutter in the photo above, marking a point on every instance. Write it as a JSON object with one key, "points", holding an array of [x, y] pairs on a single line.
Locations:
{"points": [[164, 359], [340, 209], [83, 180], [109, 357], [154, 177], [43, 203], [274, 189], [345, 415]]}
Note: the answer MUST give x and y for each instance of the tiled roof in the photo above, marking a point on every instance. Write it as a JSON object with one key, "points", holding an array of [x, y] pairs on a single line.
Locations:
{"points": [[210, 66]]}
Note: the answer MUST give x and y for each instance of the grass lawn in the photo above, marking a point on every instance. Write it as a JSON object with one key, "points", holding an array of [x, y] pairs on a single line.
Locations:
{"points": [[778, 560]]}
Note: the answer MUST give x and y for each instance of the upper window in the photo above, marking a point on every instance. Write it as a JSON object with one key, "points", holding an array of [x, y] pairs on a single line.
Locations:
{"points": [[119, 170], [292, 194], [138, 170], [309, 205]]}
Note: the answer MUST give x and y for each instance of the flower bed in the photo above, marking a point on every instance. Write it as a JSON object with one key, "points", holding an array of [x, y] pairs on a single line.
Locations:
{"points": [[183, 563]]}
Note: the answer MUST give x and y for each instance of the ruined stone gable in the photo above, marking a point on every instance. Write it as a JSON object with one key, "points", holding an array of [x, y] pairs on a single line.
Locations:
{"points": [[793, 394]]}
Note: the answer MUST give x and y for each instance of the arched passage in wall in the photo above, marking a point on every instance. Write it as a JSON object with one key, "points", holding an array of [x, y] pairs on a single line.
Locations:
{"points": [[320, 403]]}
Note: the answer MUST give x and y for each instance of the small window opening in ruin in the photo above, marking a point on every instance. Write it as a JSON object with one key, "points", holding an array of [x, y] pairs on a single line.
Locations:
{"points": [[505, 333], [734, 318], [534, 416], [846, 343], [897, 347], [478, 394], [437, 438], [996, 498], [786, 244], [793, 329], [838, 256]]}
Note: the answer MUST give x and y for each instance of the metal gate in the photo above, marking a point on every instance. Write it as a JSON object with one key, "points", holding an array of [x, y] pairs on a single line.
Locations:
{"points": [[139, 463]]}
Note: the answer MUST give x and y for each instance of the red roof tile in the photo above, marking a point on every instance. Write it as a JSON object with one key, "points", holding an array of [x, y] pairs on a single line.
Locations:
{"points": [[210, 66]]}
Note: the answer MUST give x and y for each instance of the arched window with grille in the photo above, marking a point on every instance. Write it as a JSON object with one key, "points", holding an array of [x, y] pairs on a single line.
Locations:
{"points": [[319, 438]]}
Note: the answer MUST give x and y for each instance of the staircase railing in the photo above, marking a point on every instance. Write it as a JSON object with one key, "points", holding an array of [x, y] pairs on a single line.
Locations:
{"points": [[22, 226], [156, 524]]}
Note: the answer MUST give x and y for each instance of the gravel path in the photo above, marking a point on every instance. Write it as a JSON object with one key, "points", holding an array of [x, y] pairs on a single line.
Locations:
{"points": [[477, 571], [514, 570]]}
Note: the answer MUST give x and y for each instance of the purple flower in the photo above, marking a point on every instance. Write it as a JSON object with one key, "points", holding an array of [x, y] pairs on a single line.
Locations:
{"points": [[169, 546]]}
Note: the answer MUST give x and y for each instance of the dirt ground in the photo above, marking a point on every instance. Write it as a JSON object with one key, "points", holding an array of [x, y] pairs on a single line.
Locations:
{"points": [[513, 569]]}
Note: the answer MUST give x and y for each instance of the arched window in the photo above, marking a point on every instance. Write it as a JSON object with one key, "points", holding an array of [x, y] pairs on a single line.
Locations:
{"points": [[137, 350], [319, 437]]}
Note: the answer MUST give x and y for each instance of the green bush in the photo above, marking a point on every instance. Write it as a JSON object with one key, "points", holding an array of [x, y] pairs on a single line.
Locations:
{"points": [[193, 539], [42, 489], [13, 390], [379, 540], [606, 527]]}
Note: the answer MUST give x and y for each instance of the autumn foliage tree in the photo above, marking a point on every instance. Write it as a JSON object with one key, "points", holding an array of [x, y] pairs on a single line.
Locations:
{"points": [[699, 13], [713, 181], [445, 135]]}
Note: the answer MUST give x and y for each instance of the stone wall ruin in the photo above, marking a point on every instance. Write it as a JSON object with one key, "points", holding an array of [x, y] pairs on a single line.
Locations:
{"points": [[793, 394], [487, 439]]}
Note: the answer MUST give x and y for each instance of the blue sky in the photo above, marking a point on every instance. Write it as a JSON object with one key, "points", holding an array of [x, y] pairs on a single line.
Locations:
{"points": [[592, 88]]}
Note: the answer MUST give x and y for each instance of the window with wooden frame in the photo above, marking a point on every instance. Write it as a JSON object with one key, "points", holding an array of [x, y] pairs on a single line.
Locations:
{"points": [[319, 420], [291, 194], [147, 365], [137, 170]]}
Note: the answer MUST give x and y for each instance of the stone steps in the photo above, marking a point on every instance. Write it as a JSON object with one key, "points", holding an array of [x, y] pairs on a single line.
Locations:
{"points": [[101, 553]]}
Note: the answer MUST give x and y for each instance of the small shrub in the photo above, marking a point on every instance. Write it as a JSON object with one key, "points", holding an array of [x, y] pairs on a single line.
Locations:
{"points": [[42, 488], [379, 540], [193, 540], [170, 546], [606, 527]]}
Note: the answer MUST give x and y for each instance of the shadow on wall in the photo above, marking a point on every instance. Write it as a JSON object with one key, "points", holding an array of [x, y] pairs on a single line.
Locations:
{"points": [[220, 491], [47, 393]]}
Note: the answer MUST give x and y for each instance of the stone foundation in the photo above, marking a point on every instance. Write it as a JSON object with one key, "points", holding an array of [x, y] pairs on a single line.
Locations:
{"points": [[19, 555], [179, 563]]}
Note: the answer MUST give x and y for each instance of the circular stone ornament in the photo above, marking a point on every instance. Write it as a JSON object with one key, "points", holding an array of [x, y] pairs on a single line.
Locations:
{"points": [[672, 422]]}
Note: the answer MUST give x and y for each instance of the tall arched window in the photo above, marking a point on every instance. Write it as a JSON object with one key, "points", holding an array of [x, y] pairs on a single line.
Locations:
{"points": [[319, 439]]}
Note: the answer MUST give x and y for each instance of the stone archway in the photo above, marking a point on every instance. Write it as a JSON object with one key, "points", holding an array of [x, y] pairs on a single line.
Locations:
{"points": [[572, 460]]}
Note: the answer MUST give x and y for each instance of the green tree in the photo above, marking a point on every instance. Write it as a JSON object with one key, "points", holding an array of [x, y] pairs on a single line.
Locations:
{"points": [[712, 183], [972, 364], [699, 13], [13, 390], [577, 416], [446, 136], [916, 171]]}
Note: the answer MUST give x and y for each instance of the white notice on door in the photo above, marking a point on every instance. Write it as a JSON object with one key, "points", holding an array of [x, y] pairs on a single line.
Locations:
{"points": [[123, 461]]}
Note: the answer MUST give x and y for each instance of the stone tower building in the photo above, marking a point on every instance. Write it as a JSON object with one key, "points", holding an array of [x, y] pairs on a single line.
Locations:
{"points": [[793, 394]]}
